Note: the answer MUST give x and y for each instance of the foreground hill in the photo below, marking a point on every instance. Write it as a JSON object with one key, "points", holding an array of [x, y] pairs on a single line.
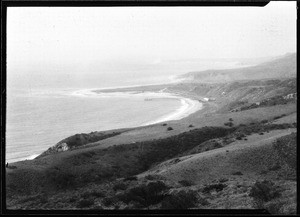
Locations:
{"points": [[284, 67]]}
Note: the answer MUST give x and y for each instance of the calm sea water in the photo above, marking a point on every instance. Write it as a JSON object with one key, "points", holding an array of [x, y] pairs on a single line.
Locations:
{"points": [[39, 119]]}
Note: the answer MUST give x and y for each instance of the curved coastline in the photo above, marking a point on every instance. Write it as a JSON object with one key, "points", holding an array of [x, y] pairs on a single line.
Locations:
{"points": [[188, 106]]}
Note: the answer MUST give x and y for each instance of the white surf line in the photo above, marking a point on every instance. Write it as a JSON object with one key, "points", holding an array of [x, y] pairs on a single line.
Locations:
{"points": [[188, 106]]}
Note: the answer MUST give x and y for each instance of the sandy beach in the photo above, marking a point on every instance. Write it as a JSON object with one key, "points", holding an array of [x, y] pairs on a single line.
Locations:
{"points": [[188, 106]]}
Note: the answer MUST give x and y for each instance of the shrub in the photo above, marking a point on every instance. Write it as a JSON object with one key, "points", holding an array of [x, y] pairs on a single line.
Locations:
{"points": [[263, 191], [191, 125], [230, 119], [229, 124], [131, 178], [120, 186], [217, 187], [169, 128], [221, 180], [61, 178], [180, 200], [72, 199], [97, 194], [164, 124], [85, 195], [261, 133], [239, 138], [275, 167], [85, 203], [238, 173], [186, 183], [108, 201], [146, 195]]}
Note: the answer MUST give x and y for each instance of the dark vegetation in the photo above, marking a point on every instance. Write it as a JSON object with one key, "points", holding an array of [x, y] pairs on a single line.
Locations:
{"points": [[186, 183], [229, 124], [263, 191], [79, 140], [77, 169], [145, 194], [214, 187], [238, 173], [180, 200], [85, 203]]}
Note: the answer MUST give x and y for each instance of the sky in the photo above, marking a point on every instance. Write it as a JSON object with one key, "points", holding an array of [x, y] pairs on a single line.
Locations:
{"points": [[97, 39]]}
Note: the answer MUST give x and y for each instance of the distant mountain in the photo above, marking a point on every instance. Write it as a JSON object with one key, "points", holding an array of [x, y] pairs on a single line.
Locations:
{"points": [[283, 67]]}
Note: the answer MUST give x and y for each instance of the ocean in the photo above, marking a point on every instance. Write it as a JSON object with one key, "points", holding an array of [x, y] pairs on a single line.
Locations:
{"points": [[39, 119]]}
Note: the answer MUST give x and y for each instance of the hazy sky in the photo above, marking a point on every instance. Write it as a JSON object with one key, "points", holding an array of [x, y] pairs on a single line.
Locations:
{"points": [[86, 38]]}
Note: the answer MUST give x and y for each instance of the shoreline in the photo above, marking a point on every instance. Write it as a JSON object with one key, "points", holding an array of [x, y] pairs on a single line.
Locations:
{"points": [[187, 105]]}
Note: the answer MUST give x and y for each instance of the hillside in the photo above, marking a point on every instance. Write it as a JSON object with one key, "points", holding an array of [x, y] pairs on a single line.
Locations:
{"points": [[238, 152], [284, 67]]}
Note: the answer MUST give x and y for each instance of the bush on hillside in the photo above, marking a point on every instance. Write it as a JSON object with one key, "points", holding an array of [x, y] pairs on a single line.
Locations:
{"points": [[186, 183], [145, 194], [263, 191], [229, 124], [120, 186], [130, 178], [62, 179], [238, 173], [217, 187], [180, 200], [85, 203]]}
